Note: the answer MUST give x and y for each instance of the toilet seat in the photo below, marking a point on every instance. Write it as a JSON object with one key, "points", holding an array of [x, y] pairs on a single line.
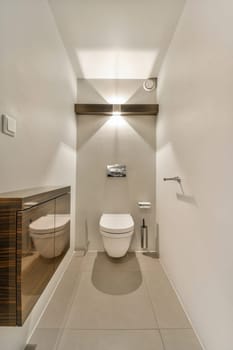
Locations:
{"points": [[117, 231], [49, 224], [116, 224], [116, 235]]}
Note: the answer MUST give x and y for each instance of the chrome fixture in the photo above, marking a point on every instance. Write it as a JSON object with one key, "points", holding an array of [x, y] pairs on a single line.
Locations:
{"points": [[144, 235], [175, 178], [149, 84], [144, 205], [116, 170]]}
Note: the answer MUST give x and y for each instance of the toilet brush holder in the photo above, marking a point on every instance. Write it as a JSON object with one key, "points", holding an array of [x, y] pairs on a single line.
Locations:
{"points": [[144, 235]]}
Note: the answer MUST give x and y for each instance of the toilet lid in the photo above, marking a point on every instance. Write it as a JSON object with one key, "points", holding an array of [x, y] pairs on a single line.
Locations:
{"points": [[49, 223], [116, 223]]}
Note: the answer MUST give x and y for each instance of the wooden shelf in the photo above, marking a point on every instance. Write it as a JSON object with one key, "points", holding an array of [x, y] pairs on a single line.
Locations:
{"points": [[107, 109]]}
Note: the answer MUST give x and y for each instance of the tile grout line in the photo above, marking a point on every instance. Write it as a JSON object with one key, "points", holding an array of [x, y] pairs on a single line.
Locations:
{"points": [[49, 300], [116, 329], [182, 305], [81, 271], [75, 294], [154, 303], [151, 302], [64, 328], [154, 312], [112, 329], [67, 313]]}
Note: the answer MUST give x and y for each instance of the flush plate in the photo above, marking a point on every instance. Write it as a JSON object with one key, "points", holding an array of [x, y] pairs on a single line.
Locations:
{"points": [[116, 170]]}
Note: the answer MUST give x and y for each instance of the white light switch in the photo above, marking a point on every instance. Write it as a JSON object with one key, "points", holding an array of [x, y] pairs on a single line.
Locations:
{"points": [[8, 125]]}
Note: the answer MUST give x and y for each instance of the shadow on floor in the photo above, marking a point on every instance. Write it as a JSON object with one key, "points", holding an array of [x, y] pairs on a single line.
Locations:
{"points": [[116, 276], [152, 255]]}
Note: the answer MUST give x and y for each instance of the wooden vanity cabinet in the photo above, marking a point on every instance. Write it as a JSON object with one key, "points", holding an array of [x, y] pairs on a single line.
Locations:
{"points": [[34, 238]]}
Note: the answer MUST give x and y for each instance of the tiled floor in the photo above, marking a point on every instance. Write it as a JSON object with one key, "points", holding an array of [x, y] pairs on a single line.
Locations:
{"points": [[103, 304]]}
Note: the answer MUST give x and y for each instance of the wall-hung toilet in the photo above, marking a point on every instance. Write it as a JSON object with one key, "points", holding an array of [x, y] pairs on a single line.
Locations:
{"points": [[117, 231], [50, 234]]}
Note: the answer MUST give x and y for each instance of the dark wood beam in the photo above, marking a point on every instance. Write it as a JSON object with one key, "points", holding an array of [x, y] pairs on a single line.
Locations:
{"points": [[107, 109]]}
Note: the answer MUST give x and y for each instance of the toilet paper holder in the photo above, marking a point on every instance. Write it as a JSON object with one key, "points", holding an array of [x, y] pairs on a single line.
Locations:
{"points": [[144, 205], [175, 178]]}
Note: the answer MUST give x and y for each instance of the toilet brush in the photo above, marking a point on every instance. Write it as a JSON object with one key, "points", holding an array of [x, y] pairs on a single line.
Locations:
{"points": [[144, 235]]}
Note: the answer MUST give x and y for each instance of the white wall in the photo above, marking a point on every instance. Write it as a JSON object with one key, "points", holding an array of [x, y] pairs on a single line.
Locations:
{"points": [[109, 39], [104, 140], [38, 88], [194, 141]]}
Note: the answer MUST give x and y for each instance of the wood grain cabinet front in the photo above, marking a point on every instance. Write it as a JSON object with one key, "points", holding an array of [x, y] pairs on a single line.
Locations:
{"points": [[34, 238]]}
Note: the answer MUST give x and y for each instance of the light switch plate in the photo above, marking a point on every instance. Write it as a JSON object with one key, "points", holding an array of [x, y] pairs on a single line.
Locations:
{"points": [[8, 125]]}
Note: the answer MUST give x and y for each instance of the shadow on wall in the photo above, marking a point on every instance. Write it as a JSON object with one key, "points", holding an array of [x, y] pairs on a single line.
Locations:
{"points": [[139, 126], [95, 123], [186, 199], [116, 276]]}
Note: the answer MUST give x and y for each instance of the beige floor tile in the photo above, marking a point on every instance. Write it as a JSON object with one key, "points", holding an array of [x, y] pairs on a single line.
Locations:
{"points": [[108, 304], [110, 340], [59, 306], [45, 339], [146, 340], [75, 264], [147, 261], [94, 309], [168, 310], [75, 340], [88, 261], [180, 339]]}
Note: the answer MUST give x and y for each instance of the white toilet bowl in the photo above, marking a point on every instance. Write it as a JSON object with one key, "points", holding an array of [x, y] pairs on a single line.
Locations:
{"points": [[50, 234], [117, 231]]}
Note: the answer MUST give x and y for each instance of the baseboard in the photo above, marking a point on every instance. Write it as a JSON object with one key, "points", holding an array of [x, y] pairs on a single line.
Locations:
{"points": [[81, 252], [181, 302]]}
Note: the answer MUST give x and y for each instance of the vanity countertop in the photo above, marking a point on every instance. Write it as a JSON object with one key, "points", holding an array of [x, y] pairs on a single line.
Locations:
{"points": [[22, 199]]}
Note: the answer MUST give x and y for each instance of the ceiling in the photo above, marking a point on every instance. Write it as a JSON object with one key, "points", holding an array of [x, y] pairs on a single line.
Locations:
{"points": [[116, 39]]}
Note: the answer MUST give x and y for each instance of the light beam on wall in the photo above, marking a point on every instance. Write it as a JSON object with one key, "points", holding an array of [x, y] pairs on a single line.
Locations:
{"points": [[116, 120], [116, 109], [116, 64]]}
